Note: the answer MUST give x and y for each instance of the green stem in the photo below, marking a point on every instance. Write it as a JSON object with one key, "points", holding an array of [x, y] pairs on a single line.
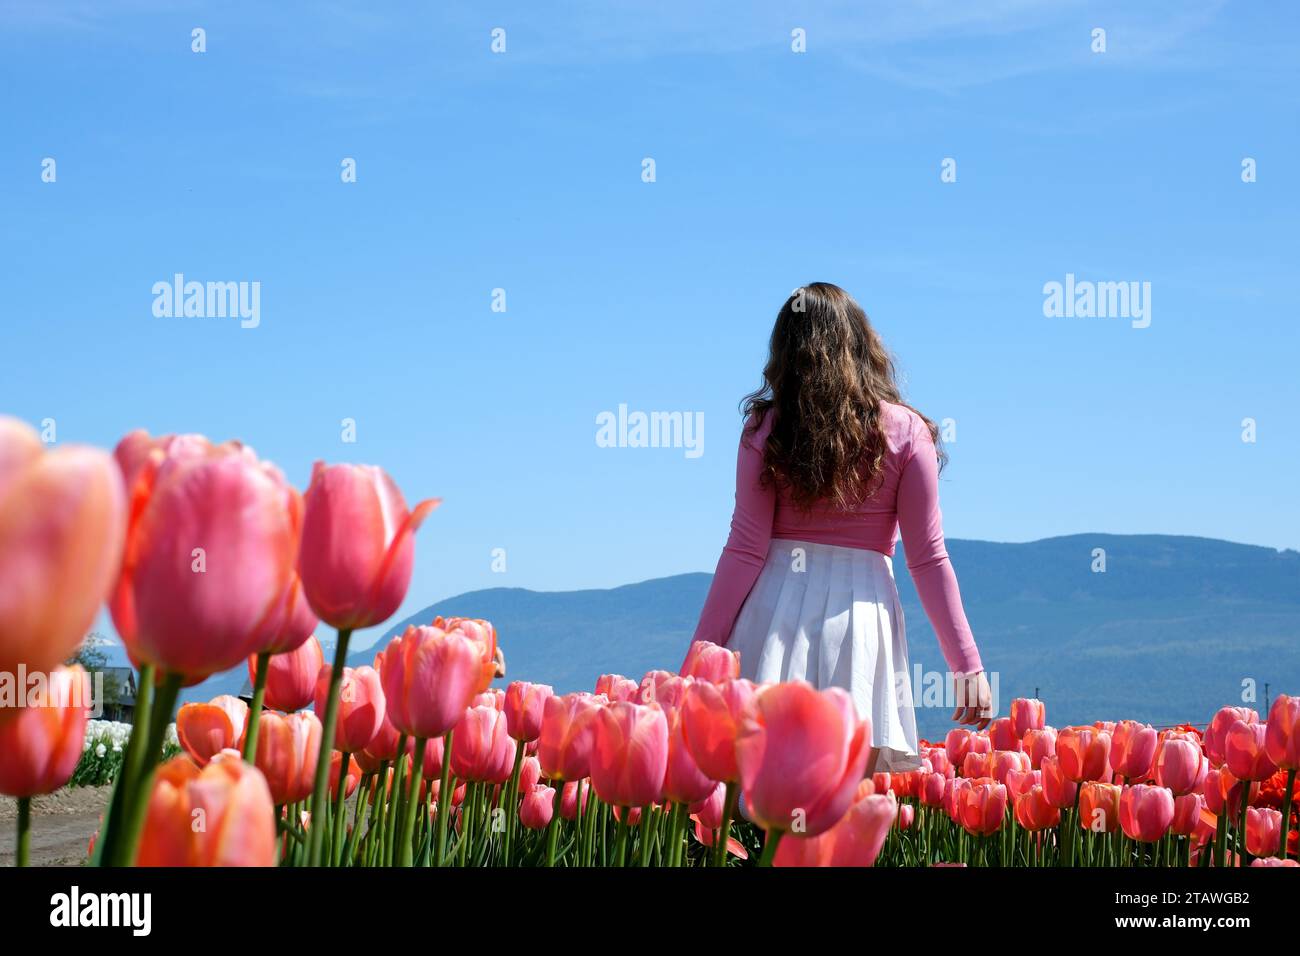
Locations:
{"points": [[1241, 826], [320, 790], [138, 803], [769, 847], [110, 831], [509, 804], [553, 829], [24, 847], [255, 711], [405, 851], [1286, 812], [340, 809], [724, 831], [444, 800]]}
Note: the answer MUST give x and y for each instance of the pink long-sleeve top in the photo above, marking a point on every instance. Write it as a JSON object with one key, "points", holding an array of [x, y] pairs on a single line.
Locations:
{"points": [[907, 498]]}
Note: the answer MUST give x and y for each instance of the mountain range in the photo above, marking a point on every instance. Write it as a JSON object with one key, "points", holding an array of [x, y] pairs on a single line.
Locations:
{"points": [[1157, 628]]}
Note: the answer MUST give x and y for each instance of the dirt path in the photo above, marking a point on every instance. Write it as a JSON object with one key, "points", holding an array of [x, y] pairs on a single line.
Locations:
{"points": [[61, 825]]}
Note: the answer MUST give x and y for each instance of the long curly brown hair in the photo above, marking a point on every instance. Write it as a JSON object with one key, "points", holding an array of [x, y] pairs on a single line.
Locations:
{"points": [[827, 373]]}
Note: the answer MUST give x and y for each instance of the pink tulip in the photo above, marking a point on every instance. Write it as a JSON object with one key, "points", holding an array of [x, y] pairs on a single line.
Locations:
{"points": [[41, 742], [291, 675], [62, 522], [435, 749], [854, 840], [481, 750], [932, 788], [530, 773], [629, 754], [1274, 861], [709, 810], [358, 545], [1282, 736], [684, 781], [1027, 714], [568, 731], [430, 676], [1216, 733], [1003, 734], [711, 720], [1187, 814], [801, 753], [1179, 764], [204, 730], [1039, 744], [711, 662], [1003, 762], [617, 687], [361, 706], [957, 745], [1021, 781], [524, 706], [1145, 812], [1263, 831], [569, 798], [537, 808], [484, 636], [207, 577], [1244, 753], [662, 688], [981, 806], [1132, 750], [1059, 790], [906, 816]]}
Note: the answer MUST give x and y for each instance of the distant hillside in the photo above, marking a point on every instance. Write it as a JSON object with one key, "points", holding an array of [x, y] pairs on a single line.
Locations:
{"points": [[1169, 632]]}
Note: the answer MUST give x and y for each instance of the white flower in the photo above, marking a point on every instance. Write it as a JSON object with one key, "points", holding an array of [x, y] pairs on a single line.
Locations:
{"points": [[101, 750]]}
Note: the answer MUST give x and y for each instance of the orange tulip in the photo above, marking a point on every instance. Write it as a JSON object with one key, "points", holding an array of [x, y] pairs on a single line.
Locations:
{"points": [[291, 675], [1282, 736], [62, 520], [358, 544], [1083, 752], [1099, 806], [204, 730], [1003, 734], [288, 746], [221, 815], [1034, 811], [41, 743], [801, 753]]}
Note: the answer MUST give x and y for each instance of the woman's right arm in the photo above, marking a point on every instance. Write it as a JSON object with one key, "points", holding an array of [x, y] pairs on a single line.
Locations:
{"points": [[746, 549]]}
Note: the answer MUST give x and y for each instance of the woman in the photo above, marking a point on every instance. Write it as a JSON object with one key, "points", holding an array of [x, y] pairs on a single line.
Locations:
{"points": [[832, 464]]}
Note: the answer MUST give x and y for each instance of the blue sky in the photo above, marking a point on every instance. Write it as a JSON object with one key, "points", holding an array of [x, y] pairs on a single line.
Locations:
{"points": [[522, 171]]}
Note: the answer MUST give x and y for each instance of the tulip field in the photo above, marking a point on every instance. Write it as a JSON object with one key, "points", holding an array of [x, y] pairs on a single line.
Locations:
{"points": [[209, 560]]}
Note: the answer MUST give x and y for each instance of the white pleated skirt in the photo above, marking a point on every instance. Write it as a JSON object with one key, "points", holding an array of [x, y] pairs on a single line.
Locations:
{"points": [[830, 616]]}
